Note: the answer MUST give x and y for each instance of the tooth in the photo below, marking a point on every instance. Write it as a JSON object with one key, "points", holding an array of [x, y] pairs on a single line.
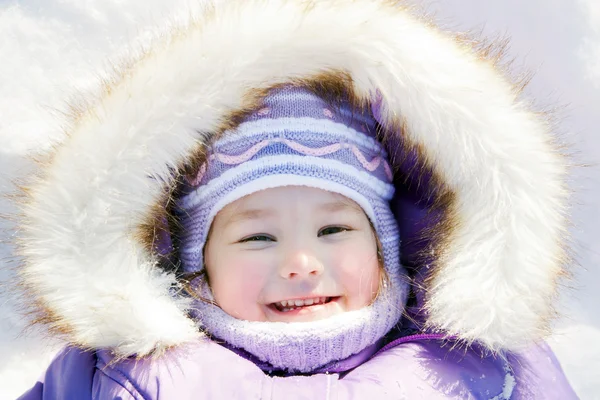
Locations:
{"points": [[322, 299], [309, 302], [299, 303], [284, 303]]}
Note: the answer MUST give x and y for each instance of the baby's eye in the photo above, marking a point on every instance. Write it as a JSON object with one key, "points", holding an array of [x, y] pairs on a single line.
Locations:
{"points": [[330, 230], [257, 238]]}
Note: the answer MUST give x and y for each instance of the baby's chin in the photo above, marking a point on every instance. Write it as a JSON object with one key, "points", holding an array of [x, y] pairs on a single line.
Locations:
{"points": [[327, 307]]}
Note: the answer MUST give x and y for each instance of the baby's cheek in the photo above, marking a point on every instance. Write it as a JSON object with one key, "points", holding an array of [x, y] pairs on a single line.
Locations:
{"points": [[359, 273], [238, 290]]}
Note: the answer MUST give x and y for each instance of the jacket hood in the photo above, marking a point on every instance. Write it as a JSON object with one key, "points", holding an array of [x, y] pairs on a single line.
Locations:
{"points": [[469, 154]]}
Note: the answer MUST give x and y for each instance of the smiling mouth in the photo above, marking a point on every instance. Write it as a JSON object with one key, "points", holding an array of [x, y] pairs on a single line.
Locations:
{"points": [[291, 305]]}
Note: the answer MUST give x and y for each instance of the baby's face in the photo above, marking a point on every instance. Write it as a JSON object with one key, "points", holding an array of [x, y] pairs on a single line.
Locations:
{"points": [[292, 254]]}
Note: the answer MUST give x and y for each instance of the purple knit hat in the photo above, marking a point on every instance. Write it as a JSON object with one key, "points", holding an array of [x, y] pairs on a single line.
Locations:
{"points": [[297, 138]]}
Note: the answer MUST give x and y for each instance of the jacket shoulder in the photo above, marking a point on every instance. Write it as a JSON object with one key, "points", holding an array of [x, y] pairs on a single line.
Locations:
{"points": [[441, 370], [78, 374], [196, 370]]}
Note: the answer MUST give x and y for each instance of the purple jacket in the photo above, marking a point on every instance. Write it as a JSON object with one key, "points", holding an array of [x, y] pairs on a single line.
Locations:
{"points": [[480, 201], [417, 369]]}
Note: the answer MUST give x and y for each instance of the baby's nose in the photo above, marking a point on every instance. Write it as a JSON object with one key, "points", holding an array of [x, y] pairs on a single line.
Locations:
{"points": [[301, 265]]}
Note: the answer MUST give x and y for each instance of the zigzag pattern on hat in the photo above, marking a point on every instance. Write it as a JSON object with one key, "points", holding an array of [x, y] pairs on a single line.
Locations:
{"points": [[300, 148]]}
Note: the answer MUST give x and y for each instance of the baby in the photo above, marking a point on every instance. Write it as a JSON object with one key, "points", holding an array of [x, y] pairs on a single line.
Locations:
{"points": [[284, 276], [289, 217]]}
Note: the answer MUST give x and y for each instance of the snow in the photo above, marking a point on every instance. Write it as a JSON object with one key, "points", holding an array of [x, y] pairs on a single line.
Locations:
{"points": [[558, 39], [508, 386]]}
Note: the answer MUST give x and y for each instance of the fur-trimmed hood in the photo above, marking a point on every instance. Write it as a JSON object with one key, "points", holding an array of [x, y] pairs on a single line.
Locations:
{"points": [[494, 177]]}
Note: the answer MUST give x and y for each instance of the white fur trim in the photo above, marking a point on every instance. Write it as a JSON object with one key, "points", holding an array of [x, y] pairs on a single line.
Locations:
{"points": [[497, 272]]}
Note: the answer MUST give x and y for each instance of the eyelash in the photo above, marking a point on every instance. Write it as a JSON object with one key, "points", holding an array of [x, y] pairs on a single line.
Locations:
{"points": [[322, 232], [339, 229], [258, 238]]}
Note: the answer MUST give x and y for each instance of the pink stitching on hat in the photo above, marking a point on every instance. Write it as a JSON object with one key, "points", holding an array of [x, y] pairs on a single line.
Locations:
{"points": [[310, 151], [372, 166], [327, 112], [264, 111], [196, 181], [227, 159]]}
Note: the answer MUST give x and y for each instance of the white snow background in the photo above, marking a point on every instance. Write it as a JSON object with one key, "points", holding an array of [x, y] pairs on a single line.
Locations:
{"points": [[51, 48]]}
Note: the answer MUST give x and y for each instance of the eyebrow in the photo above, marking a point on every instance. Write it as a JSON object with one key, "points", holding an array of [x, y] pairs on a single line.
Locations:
{"points": [[259, 213], [249, 214], [340, 205]]}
